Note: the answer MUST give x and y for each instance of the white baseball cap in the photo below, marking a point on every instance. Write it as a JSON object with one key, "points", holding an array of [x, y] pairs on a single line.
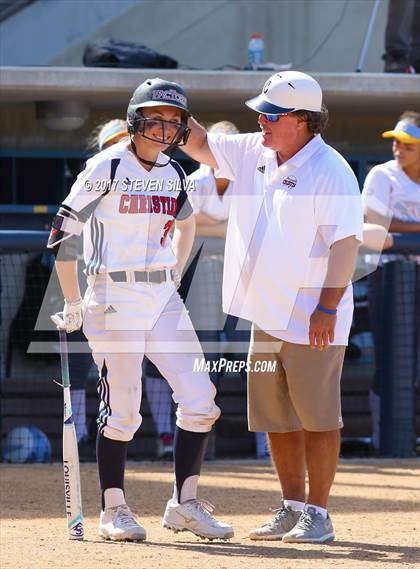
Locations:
{"points": [[288, 91]]}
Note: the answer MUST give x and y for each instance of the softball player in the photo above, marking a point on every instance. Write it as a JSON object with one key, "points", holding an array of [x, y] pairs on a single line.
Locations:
{"points": [[126, 200], [390, 197]]}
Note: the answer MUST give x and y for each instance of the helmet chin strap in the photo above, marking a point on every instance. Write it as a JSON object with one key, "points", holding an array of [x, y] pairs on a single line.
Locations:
{"points": [[151, 162]]}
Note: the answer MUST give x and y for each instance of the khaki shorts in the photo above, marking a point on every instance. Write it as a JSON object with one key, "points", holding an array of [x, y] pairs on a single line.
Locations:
{"points": [[303, 392]]}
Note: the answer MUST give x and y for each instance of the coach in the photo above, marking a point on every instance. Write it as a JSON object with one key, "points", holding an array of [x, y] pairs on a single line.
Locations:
{"points": [[294, 229]]}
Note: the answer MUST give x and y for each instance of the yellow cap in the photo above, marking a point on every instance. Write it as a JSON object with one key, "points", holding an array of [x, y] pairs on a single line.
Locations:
{"points": [[404, 131]]}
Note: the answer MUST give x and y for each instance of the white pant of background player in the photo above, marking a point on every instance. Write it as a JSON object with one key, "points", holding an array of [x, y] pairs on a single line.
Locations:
{"points": [[125, 321]]}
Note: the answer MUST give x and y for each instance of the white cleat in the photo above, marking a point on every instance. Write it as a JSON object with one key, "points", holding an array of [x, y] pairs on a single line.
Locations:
{"points": [[195, 516], [120, 524]]}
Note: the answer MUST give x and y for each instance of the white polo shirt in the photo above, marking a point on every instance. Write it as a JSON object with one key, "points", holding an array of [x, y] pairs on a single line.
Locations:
{"points": [[283, 220], [205, 198]]}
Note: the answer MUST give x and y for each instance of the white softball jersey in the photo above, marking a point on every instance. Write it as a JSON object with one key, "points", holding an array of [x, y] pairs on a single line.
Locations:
{"points": [[128, 218], [391, 193], [283, 221]]}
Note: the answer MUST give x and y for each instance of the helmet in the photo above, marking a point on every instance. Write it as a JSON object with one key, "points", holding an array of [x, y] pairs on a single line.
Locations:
{"points": [[27, 444], [286, 92], [155, 93]]}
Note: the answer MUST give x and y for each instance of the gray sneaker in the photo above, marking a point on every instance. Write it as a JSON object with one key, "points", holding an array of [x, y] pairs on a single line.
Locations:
{"points": [[312, 527], [283, 521]]}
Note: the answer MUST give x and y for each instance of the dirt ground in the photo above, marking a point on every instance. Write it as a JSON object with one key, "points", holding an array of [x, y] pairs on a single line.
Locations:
{"points": [[374, 508]]}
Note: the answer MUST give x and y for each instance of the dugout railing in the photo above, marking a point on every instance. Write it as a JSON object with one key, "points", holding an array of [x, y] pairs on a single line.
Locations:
{"points": [[30, 397]]}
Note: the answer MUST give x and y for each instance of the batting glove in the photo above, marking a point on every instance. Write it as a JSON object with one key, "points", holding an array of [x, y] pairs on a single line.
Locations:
{"points": [[72, 316]]}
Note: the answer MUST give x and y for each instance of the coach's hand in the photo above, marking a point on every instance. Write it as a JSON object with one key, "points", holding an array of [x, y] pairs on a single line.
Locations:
{"points": [[321, 329], [71, 318]]}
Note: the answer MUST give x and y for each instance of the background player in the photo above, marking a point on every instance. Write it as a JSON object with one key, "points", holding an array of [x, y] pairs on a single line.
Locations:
{"points": [[132, 307], [391, 198], [211, 203]]}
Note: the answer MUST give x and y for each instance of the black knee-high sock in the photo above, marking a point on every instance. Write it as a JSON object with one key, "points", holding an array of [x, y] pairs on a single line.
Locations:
{"points": [[111, 456], [189, 450]]}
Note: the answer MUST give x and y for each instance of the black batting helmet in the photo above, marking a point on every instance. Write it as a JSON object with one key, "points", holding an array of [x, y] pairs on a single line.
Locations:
{"points": [[154, 93]]}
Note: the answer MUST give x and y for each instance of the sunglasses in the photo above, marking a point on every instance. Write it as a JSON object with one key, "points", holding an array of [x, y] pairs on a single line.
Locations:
{"points": [[273, 118]]}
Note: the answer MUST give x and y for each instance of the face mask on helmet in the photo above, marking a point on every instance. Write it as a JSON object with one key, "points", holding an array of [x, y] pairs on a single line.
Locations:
{"points": [[170, 133]]}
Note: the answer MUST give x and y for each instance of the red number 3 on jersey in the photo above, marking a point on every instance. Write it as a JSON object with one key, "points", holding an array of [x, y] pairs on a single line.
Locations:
{"points": [[166, 229]]}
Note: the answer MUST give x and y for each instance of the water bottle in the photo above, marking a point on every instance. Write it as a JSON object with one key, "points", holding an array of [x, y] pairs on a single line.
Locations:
{"points": [[255, 51]]}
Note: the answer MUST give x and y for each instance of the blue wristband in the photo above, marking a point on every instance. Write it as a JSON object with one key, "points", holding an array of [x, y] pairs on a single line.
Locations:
{"points": [[326, 310]]}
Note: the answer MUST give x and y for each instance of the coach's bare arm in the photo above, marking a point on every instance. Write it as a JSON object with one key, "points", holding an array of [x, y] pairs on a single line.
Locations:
{"points": [[197, 146], [341, 265]]}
